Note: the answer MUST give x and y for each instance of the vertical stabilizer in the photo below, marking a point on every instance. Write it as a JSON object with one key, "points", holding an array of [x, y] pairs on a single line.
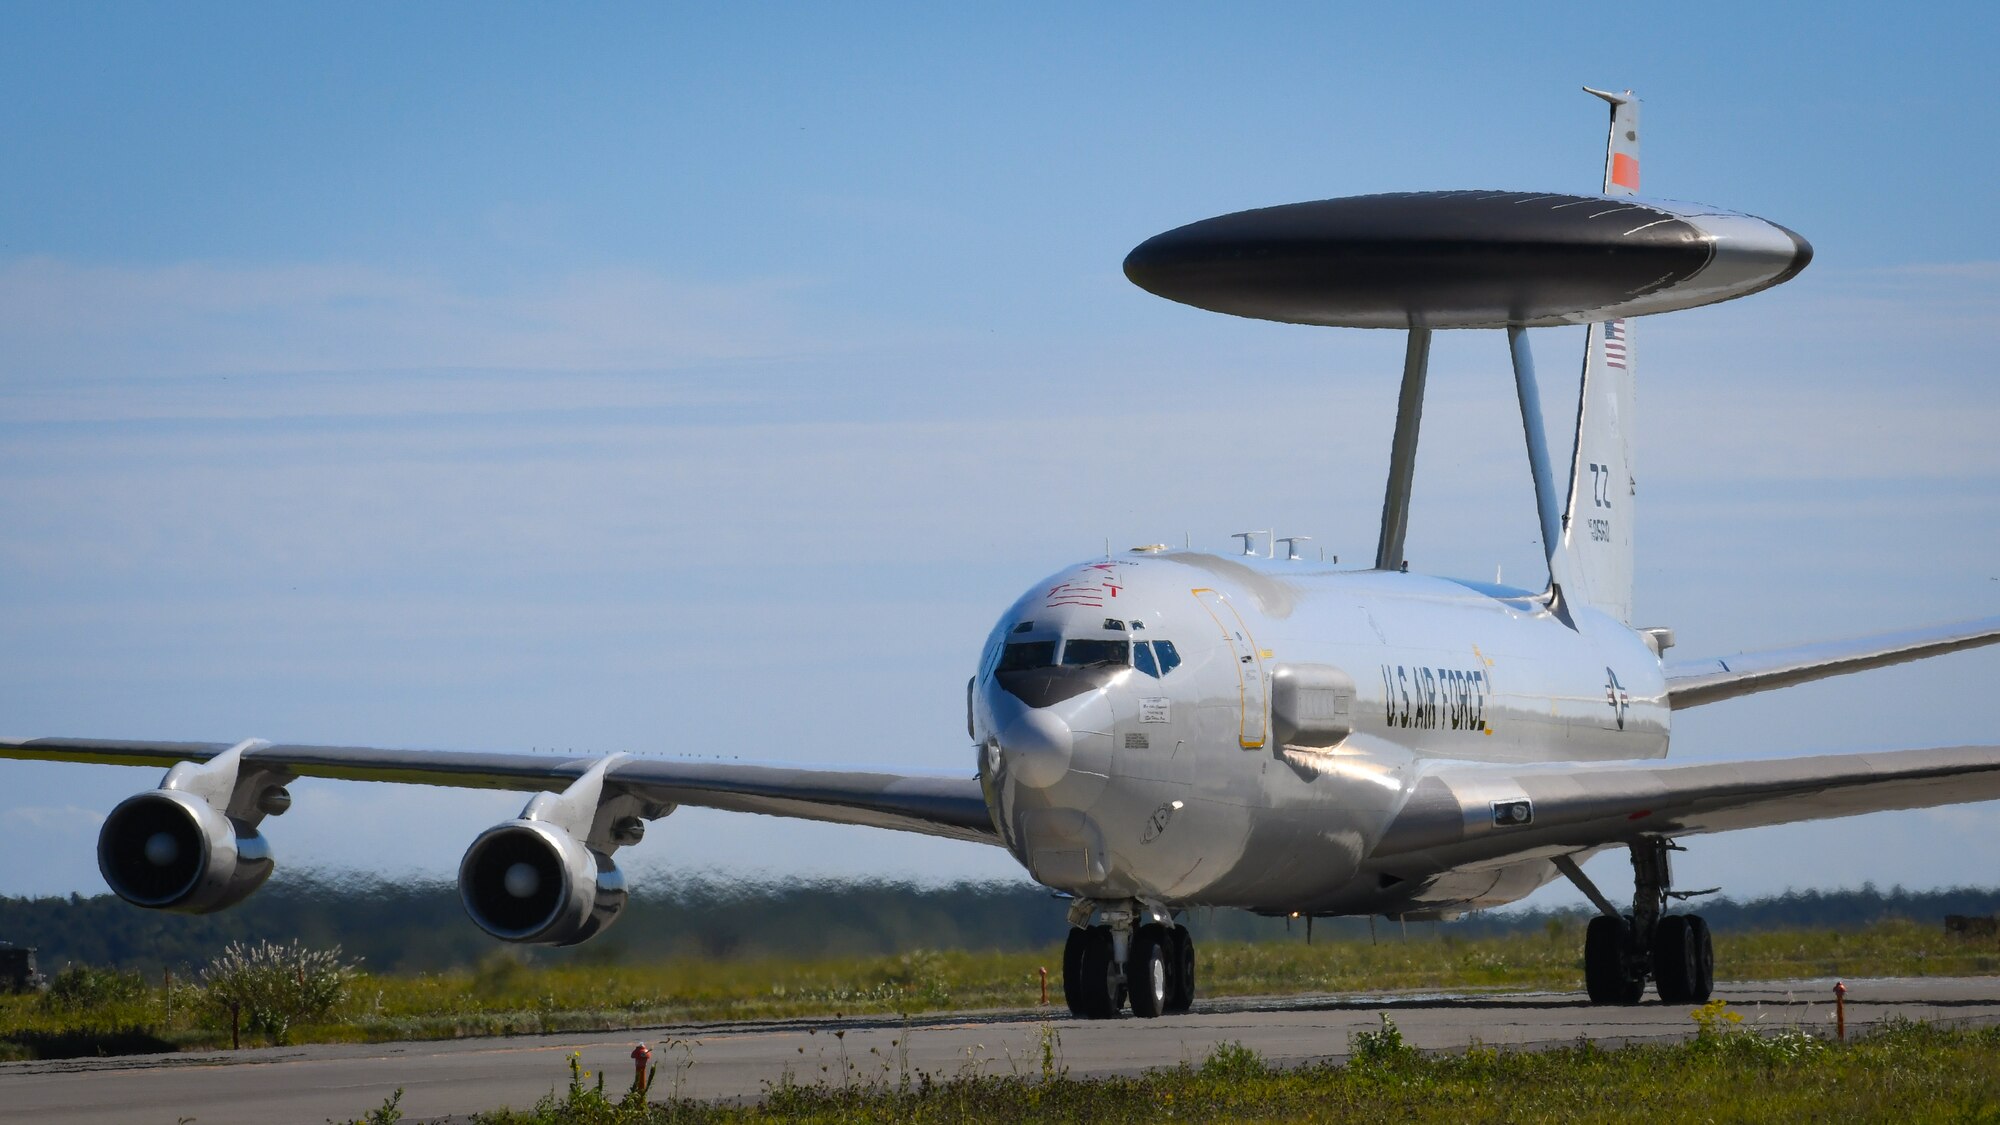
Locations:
{"points": [[1621, 150], [1597, 525]]}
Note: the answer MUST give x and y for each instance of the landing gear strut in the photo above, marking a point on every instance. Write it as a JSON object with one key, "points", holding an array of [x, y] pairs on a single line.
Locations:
{"points": [[1136, 953], [1620, 951]]}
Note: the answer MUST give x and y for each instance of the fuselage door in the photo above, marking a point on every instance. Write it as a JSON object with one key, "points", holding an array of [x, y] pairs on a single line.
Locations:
{"points": [[1250, 683]]}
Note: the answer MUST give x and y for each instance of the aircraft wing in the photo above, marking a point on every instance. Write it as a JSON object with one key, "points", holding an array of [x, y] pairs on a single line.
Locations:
{"points": [[1450, 820], [949, 805], [1691, 683]]}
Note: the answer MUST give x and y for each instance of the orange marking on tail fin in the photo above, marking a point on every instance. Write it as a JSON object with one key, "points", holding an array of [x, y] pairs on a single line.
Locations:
{"points": [[1625, 171]]}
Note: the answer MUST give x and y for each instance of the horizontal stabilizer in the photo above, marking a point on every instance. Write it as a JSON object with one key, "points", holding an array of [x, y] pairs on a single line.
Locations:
{"points": [[1691, 683], [949, 805]]}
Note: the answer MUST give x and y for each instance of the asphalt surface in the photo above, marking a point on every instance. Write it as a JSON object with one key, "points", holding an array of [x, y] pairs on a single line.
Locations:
{"points": [[740, 1060]]}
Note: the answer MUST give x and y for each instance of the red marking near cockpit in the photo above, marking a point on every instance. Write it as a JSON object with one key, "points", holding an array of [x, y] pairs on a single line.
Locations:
{"points": [[1066, 593]]}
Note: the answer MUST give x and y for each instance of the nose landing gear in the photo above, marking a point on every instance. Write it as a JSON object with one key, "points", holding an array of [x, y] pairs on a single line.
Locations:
{"points": [[1137, 953], [1620, 951]]}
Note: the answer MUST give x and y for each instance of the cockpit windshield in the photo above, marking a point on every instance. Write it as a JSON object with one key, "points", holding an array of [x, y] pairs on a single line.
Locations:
{"points": [[1143, 659], [1019, 656], [1080, 652], [1154, 658]]}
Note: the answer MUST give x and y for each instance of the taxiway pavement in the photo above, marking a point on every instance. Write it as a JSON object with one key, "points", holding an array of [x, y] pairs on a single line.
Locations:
{"points": [[740, 1060]]}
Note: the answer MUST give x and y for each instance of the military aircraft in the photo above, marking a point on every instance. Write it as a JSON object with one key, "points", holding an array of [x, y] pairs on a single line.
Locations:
{"points": [[1162, 729]]}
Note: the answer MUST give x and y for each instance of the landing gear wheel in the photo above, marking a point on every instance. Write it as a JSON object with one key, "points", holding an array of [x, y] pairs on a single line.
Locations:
{"points": [[1676, 960], [1098, 991], [1072, 973], [1181, 979], [1605, 976], [1149, 971], [1704, 958]]}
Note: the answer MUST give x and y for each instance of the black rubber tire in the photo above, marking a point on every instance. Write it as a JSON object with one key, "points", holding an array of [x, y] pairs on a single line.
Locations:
{"points": [[1603, 958], [1100, 992], [1704, 959], [1072, 973], [1149, 970], [1605, 976], [1183, 974], [1676, 974]]}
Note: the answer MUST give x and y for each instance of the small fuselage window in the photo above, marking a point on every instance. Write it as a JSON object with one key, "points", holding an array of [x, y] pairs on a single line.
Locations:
{"points": [[1020, 656], [1085, 653]]}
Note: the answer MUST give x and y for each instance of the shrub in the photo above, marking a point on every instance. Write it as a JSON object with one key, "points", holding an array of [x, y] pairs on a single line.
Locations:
{"points": [[1383, 1046], [79, 987], [501, 974], [272, 986], [920, 975], [1233, 1062]]}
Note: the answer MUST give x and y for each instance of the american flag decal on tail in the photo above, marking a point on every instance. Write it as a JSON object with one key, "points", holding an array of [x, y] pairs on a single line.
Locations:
{"points": [[1614, 344]]}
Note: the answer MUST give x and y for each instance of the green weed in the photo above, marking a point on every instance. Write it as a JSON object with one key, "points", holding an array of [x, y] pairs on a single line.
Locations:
{"points": [[506, 995], [1905, 1072]]}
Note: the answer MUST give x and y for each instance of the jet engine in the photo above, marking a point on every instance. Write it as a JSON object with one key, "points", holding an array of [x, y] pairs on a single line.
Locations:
{"points": [[170, 850], [529, 881]]}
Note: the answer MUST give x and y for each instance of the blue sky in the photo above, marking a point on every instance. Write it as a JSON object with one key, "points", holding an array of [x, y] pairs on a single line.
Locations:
{"points": [[705, 380]]}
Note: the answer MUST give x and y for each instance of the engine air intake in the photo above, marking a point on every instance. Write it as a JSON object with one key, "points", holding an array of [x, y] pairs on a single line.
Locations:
{"points": [[528, 881]]}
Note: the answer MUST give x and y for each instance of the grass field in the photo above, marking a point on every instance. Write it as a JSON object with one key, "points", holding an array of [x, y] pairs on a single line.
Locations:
{"points": [[1903, 1073], [503, 996]]}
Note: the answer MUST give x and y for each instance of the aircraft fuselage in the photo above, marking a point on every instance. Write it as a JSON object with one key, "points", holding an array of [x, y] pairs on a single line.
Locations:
{"points": [[1197, 729]]}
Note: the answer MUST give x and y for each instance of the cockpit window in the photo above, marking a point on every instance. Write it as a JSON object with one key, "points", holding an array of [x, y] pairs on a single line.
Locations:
{"points": [[1021, 655], [1085, 653], [1155, 658]]}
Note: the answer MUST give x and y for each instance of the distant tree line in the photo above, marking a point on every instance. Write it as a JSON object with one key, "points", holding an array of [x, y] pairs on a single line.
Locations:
{"points": [[419, 926]]}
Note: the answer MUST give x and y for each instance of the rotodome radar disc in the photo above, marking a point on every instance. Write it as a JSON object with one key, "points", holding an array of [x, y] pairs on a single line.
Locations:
{"points": [[1466, 259]]}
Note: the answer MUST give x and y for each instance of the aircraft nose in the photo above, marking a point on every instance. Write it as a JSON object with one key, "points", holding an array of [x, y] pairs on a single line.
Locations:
{"points": [[1036, 745]]}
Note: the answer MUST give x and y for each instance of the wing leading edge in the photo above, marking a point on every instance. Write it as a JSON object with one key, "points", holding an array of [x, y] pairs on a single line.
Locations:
{"points": [[1691, 683], [932, 804]]}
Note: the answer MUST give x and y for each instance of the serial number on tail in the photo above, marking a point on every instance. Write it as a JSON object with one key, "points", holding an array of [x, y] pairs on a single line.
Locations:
{"points": [[1422, 698]]}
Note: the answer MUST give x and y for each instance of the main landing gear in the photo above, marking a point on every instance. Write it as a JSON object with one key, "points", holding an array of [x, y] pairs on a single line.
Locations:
{"points": [[1133, 954], [1620, 951]]}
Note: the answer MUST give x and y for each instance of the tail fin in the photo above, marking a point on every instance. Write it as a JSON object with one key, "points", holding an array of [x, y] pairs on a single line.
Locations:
{"points": [[1597, 525]]}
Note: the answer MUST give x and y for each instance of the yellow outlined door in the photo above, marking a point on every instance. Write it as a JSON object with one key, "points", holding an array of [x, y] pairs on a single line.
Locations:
{"points": [[1249, 665]]}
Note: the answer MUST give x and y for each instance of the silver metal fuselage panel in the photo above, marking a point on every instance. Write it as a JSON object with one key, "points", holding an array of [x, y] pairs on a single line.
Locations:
{"points": [[1174, 785]]}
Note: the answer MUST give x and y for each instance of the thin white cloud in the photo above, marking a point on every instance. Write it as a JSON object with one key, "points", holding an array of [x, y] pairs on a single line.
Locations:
{"points": [[67, 819], [61, 318]]}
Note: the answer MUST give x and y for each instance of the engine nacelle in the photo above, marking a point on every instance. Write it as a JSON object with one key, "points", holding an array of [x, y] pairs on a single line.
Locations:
{"points": [[529, 881], [168, 850]]}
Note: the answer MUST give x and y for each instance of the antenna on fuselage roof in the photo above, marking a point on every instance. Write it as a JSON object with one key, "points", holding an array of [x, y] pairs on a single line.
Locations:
{"points": [[1250, 540], [1421, 261]]}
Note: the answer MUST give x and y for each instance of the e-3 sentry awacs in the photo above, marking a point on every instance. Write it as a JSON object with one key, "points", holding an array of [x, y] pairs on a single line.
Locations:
{"points": [[1165, 729]]}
